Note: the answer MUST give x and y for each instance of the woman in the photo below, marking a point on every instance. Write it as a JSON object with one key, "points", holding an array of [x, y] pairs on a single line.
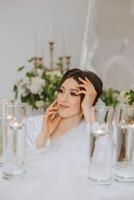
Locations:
{"points": [[61, 164], [78, 91]]}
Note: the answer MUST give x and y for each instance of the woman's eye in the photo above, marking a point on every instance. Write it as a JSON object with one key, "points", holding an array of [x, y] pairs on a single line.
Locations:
{"points": [[60, 91], [73, 94]]}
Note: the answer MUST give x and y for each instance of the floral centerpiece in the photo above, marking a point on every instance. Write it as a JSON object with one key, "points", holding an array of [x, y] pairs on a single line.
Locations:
{"points": [[127, 97], [110, 97], [123, 99], [113, 97], [39, 86]]}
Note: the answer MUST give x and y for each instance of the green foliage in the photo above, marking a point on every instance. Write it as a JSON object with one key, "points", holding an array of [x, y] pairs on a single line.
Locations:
{"points": [[20, 68], [130, 97], [110, 97]]}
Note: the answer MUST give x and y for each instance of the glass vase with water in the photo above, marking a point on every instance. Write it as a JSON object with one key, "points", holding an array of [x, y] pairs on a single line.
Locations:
{"points": [[100, 146], [124, 167], [14, 142]]}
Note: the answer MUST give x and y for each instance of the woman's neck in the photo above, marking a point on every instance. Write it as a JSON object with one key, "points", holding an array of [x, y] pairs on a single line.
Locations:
{"points": [[67, 123]]}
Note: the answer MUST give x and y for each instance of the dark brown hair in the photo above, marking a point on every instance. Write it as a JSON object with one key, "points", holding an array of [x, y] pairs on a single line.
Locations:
{"points": [[77, 73]]}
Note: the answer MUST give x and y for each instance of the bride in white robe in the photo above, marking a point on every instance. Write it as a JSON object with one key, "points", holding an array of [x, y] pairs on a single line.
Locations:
{"points": [[64, 129]]}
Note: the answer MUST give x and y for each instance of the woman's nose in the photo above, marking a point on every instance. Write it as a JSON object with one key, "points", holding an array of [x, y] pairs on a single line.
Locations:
{"points": [[64, 97]]}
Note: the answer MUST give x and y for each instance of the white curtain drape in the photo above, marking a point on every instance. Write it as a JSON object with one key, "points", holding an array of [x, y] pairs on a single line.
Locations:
{"points": [[90, 41]]}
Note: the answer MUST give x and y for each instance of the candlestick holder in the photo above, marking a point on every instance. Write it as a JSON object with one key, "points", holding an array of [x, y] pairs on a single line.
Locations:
{"points": [[38, 61], [61, 64], [51, 50], [68, 62]]}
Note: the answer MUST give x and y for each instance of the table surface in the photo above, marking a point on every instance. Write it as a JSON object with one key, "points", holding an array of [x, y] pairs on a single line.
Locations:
{"points": [[38, 183]]}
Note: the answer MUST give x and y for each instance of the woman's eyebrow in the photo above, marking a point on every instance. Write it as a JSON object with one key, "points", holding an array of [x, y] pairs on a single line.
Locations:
{"points": [[71, 89]]}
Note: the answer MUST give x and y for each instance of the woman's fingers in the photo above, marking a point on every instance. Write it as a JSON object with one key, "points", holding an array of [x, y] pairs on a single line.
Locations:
{"points": [[54, 102], [52, 105], [83, 81], [87, 82], [53, 125], [51, 113], [91, 85], [51, 109], [81, 92], [83, 86], [89, 88]]}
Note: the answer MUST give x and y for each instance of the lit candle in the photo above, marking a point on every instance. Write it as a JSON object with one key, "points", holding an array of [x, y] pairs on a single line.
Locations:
{"points": [[61, 43], [67, 43], [131, 126], [39, 43], [100, 131], [51, 30], [9, 117], [35, 52]]}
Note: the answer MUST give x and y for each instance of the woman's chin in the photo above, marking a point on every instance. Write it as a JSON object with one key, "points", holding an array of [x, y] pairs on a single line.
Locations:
{"points": [[64, 114]]}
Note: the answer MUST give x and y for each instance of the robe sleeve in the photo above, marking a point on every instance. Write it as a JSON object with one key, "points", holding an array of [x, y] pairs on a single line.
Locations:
{"points": [[33, 129]]}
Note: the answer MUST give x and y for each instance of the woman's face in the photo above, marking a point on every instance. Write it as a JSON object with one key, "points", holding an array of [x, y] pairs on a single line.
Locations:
{"points": [[69, 104]]}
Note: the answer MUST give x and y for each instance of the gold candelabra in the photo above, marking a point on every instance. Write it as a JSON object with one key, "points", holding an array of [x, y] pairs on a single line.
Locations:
{"points": [[63, 63]]}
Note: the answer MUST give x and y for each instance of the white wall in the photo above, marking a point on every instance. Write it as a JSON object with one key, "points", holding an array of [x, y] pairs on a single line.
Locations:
{"points": [[20, 20]]}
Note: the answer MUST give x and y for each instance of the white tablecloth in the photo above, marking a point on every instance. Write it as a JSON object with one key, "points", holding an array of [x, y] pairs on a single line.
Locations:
{"points": [[39, 184]]}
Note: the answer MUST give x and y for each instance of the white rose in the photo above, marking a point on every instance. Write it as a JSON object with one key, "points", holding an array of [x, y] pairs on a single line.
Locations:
{"points": [[121, 97], [37, 84], [40, 72], [40, 104], [23, 91], [122, 93], [127, 99]]}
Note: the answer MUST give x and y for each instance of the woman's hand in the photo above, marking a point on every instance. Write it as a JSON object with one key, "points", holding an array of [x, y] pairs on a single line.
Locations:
{"points": [[90, 94], [50, 123]]}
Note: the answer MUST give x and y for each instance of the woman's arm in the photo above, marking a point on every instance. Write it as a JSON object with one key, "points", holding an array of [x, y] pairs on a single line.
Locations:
{"points": [[50, 123]]}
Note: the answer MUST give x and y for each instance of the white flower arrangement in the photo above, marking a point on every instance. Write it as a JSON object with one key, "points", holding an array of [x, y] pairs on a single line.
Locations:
{"points": [[39, 86]]}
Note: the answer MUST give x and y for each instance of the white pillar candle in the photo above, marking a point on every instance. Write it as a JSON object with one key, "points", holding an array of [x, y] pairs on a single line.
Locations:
{"points": [[67, 43], [39, 54], [51, 30]]}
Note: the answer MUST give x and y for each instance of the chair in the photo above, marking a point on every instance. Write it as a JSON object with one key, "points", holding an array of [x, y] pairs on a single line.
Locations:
{"points": [[118, 74]]}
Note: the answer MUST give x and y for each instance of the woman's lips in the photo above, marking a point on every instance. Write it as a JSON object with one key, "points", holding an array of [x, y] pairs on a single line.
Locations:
{"points": [[63, 106]]}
